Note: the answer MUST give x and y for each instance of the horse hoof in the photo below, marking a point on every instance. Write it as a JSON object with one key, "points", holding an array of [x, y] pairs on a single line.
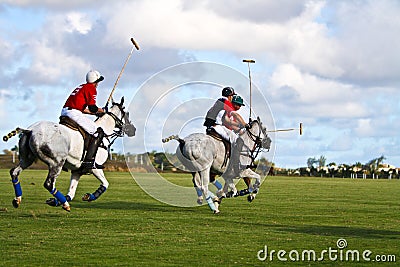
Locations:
{"points": [[88, 197], [16, 202], [53, 202], [66, 207], [250, 198], [217, 200]]}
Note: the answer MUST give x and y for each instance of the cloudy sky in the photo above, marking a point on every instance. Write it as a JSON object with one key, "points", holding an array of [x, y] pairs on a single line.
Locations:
{"points": [[333, 65]]}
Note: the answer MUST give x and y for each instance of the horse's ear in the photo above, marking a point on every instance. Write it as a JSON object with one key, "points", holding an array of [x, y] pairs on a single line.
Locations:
{"points": [[122, 101]]}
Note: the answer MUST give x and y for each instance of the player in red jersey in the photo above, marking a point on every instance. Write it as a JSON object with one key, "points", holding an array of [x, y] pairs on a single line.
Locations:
{"points": [[82, 101]]}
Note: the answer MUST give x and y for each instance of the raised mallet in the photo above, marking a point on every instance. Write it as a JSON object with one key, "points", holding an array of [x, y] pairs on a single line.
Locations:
{"points": [[135, 45], [248, 61], [289, 129]]}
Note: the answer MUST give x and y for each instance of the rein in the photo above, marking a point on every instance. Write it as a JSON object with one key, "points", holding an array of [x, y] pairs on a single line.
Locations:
{"points": [[118, 124], [257, 147]]}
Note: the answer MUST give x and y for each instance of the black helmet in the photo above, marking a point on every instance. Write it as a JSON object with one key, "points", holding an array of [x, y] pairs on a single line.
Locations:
{"points": [[228, 91]]}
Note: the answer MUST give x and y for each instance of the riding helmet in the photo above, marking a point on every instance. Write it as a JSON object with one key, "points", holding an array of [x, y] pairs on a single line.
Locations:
{"points": [[94, 76], [228, 91], [237, 100]]}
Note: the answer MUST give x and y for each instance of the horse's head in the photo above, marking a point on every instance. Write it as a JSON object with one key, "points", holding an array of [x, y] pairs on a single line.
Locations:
{"points": [[258, 133], [121, 118]]}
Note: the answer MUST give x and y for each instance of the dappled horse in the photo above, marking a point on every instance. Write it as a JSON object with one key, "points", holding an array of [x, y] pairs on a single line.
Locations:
{"points": [[204, 156], [61, 147]]}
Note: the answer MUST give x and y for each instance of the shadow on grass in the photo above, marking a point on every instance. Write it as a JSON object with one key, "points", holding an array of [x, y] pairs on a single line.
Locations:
{"points": [[122, 205]]}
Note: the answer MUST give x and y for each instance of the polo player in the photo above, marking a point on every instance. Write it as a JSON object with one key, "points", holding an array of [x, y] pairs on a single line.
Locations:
{"points": [[82, 101]]}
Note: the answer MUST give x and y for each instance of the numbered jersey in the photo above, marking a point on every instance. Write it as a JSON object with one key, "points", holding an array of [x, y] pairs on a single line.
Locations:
{"points": [[82, 96]]}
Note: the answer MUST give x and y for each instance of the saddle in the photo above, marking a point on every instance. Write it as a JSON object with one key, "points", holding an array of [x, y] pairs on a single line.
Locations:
{"points": [[211, 132], [70, 123]]}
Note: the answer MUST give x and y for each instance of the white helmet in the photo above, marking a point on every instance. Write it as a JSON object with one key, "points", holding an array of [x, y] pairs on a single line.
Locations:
{"points": [[94, 76]]}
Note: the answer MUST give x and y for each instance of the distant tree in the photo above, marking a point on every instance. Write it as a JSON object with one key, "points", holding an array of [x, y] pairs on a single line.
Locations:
{"points": [[374, 164], [311, 162], [321, 161]]}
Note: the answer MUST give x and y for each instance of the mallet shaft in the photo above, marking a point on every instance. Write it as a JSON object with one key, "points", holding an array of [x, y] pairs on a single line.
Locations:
{"points": [[135, 45]]}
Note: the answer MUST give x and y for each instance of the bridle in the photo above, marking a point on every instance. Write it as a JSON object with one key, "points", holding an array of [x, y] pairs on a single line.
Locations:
{"points": [[257, 140], [119, 124]]}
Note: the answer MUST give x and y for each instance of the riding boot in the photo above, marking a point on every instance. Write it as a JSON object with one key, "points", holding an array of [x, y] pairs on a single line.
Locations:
{"points": [[235, 157], [89, 161]]}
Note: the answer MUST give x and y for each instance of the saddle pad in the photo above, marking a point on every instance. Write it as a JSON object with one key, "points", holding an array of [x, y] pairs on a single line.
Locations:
{"points": [[70, 123], [211, 132]]}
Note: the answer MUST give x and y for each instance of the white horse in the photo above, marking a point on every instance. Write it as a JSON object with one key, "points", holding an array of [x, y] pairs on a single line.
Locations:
{"points": [[204, 156], [61, 147]]}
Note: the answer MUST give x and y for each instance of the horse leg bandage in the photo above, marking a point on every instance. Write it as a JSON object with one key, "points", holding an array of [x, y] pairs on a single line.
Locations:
{"points": [[17, 187], [59, 196]]}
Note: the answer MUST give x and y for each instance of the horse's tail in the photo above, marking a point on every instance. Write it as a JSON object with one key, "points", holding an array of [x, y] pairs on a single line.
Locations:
{"points": [[13, 133], [174, 137]]}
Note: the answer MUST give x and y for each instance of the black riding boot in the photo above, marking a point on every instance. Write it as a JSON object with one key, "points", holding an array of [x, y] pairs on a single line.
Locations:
{"points": [[235, 158], [89, 161]]}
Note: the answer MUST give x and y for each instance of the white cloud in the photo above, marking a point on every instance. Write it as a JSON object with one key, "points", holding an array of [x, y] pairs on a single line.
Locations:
{"points": [[78, 22]]}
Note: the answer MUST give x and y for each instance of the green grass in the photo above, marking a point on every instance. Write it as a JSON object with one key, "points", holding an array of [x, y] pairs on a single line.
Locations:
{"points": [[127, 227]]}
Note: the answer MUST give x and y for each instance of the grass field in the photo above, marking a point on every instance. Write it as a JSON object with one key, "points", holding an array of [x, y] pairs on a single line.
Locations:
{"points": [[126, 227]]}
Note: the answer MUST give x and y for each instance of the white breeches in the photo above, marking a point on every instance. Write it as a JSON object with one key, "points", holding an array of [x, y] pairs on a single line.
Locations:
{"points": [[81, 119], [226, 133]]}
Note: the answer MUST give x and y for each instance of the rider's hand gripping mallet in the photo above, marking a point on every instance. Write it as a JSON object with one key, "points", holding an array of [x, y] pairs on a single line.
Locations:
{"points": [[248, 61], [135, 45]]}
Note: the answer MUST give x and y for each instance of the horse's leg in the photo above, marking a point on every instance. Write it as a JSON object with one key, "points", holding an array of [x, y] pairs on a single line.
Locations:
{"points": [[14, 172], [73, 185], [99, 174], [26, 158], [198, 190], [229, 184], [218, 185], [253, 190], [203, 180], [50, 185]]}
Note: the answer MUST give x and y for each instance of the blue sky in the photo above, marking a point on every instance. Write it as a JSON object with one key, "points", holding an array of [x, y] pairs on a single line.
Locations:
{"points": [[333, 65]]}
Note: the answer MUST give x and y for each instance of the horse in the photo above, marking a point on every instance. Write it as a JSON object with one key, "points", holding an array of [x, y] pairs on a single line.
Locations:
{"points": [[61, 147], [204, 157]]}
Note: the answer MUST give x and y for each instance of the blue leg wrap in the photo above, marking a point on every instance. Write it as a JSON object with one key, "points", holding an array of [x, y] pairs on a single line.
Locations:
{"points": [[17, 187], [217, 184], [198, 191], [98, 192], [58, 195]]}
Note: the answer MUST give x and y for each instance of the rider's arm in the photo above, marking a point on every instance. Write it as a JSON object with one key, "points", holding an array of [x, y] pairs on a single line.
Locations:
{"points": [[93, 109], [239, 120]]}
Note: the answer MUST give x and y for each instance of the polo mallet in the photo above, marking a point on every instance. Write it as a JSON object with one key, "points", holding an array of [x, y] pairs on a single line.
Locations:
{"points": [[135, 45], [248, 61], [289, 129]]}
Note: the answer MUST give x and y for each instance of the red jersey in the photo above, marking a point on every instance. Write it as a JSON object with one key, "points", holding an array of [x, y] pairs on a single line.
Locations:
{"points": [[82, 96]]}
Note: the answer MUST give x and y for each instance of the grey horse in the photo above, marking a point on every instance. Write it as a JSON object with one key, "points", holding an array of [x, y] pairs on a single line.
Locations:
{"points": [[61, 147], [204, 156]]}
